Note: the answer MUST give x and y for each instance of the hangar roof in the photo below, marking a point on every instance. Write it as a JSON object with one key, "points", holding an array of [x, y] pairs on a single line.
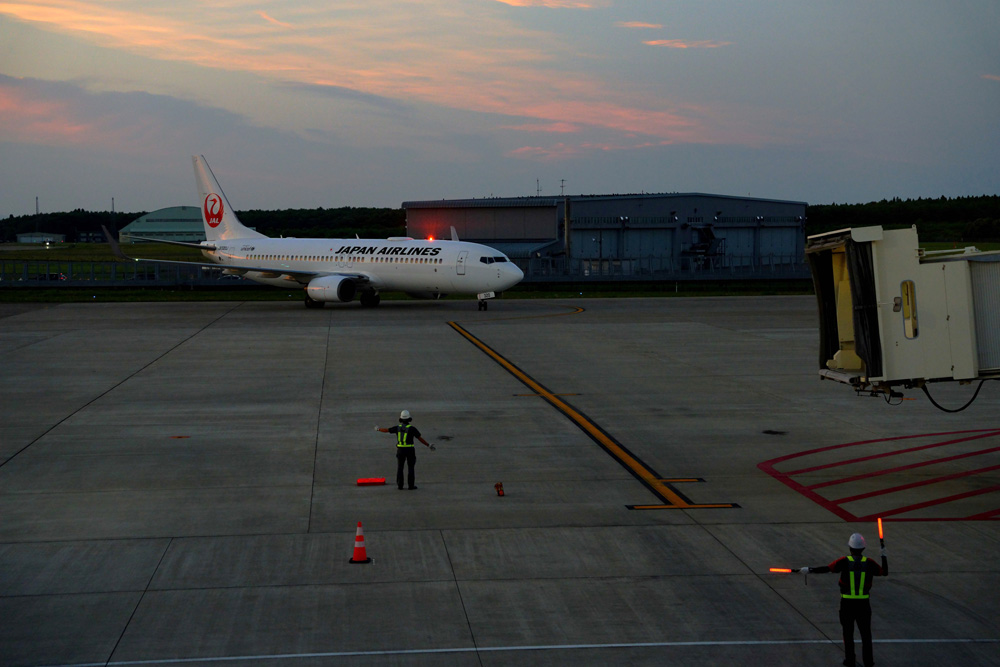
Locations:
{"points": [[507, 202], [492, 202], [174, 218]]}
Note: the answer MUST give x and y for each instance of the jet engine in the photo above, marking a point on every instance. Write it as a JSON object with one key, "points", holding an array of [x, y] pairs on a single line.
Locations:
{"points": [[331, 289]]}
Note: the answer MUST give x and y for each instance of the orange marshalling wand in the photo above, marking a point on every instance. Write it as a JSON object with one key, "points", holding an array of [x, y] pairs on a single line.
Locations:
{"points": [[782, 570], [880, 535]]}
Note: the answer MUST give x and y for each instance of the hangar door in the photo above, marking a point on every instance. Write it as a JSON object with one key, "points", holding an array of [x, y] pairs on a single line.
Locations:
{"points": [[641, 243], [739, 245], [595, 243], [777, 246]]}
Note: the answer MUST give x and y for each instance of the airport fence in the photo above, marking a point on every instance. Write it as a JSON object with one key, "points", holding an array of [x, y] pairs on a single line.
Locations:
{"points": [[27, 273], [652, 269]]}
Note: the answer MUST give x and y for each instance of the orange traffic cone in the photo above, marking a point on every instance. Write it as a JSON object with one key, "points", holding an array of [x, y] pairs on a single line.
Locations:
{"points": [[360, 554]]}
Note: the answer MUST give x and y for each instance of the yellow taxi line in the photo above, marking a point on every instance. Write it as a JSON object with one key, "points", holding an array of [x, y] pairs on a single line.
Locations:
{"points": [[652, 480]]}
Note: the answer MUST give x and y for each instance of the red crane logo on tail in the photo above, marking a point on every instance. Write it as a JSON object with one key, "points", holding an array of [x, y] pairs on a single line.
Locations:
{"points": [[213, 210]]}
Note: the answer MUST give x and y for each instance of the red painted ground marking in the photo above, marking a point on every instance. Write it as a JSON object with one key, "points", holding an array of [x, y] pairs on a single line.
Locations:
{"points": [[885, 454], [835, 506], [913, 485], [931, 503], [910, 466]]}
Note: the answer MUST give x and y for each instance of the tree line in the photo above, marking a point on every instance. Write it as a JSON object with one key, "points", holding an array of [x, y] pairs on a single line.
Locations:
{"points": [[942, 219]]}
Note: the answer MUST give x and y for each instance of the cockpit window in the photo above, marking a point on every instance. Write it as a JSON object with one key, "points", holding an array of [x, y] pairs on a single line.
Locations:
{"points": [[491, 260]]}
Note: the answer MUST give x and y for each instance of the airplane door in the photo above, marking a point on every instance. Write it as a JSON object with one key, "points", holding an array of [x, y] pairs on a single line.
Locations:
{"points": [[460, 264]]}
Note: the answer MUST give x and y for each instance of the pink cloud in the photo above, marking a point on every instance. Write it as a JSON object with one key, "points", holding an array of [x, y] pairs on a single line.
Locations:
{"points": [[552, 4], [687, 44], [543, 154], [27, 118], [637, 24], [663, 124], [559, 128], [991, 77], [261, 13], [505, 69], [563, 151], [46, 113]]}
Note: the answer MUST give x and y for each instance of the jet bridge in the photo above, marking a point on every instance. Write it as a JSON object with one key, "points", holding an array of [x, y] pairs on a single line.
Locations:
{"points": [[892, 315]]}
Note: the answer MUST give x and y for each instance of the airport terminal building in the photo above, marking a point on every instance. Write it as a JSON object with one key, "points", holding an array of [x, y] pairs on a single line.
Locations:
{"points": [[635, 236]]}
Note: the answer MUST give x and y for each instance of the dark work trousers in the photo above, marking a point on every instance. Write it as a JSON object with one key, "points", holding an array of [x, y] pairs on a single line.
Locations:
{"points": [[406, 455], [860, 612]]}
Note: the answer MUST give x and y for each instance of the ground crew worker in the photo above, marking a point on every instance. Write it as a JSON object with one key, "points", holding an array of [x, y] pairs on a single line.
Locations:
{"points": [[405, 451], [856, 574]]}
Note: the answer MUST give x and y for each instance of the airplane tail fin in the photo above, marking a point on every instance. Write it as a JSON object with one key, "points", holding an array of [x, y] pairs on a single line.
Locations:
{"points": [[217, 215]]}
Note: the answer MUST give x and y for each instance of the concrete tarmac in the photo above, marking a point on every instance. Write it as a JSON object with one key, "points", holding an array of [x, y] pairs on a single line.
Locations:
{"points": [[179, 486]]}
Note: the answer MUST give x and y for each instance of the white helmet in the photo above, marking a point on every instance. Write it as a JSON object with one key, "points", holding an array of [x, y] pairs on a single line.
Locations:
{"points": [[857, 541], [404, 415]]}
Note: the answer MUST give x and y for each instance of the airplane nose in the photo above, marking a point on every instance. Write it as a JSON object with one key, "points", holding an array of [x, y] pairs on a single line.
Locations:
{"points": [[511, 276]]}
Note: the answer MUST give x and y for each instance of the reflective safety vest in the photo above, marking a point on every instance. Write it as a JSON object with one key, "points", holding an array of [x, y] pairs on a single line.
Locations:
{"points": [[401, 436], [857, 584]]}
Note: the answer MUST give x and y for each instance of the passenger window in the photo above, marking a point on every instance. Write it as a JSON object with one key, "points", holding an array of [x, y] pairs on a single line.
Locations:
{"points": [[909, 309]]}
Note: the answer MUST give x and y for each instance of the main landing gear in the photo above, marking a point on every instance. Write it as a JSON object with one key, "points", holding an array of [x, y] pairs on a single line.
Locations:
{"points": [[484, 304], [313, 303]]}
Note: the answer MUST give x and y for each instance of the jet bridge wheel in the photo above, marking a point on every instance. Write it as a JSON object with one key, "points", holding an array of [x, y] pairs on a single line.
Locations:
{"points": [[369, 298], [313, 303]]}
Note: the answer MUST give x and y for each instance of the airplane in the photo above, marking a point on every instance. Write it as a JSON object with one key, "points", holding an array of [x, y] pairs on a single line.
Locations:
{"points": [[337, 270]]}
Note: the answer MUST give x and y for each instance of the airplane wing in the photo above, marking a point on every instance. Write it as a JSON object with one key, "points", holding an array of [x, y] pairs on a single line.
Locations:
{"points": [[186, 244], [117, 251], [299, 276]]}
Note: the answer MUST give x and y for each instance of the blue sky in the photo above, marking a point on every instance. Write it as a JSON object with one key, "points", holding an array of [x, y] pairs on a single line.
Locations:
{"points": [[370, 103]]}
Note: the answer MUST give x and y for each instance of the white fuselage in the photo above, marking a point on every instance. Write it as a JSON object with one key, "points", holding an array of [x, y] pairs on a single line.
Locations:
{"points": [[429, 267]]}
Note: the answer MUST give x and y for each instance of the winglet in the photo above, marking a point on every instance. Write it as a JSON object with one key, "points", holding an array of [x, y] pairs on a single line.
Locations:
{"points": [[454, 234], [113, 243]]}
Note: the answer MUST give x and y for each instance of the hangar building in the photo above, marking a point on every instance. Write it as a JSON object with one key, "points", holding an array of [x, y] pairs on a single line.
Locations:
{"points": [[177, 223], [41, 237], [639, 236]]}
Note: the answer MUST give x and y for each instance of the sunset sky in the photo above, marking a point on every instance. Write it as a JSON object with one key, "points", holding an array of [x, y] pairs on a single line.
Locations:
{"points": [[306, 103]]}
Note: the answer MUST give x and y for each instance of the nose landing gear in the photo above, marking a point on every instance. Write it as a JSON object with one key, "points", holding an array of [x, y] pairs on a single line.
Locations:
{"points": [[483, 299]]}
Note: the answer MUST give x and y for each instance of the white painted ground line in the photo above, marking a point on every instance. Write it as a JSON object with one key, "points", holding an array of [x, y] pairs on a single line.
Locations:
{"points": [[494, 649]]}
